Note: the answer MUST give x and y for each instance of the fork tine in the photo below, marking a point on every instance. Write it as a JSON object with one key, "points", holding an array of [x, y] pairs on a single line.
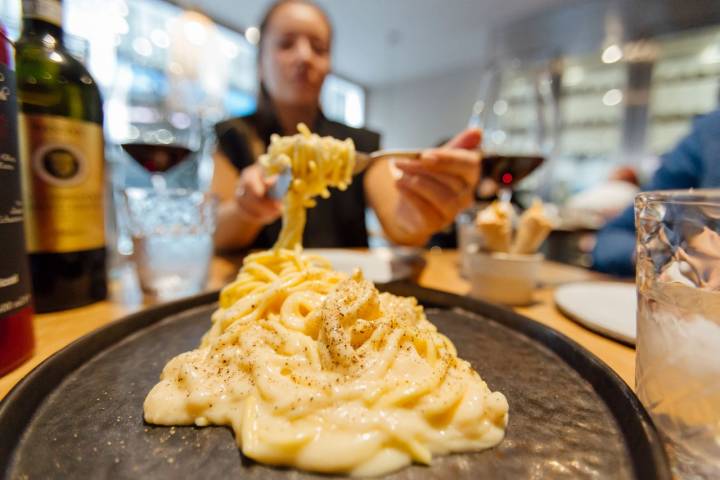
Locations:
{"points": [[362, 162], [281, 186]]}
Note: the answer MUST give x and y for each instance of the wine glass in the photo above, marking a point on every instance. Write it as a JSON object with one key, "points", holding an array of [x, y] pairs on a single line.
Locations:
{"points": [[512, 109], [159, 149], [162, 142]]}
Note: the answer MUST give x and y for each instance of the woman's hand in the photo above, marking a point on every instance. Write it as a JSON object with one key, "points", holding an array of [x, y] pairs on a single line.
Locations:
{"points": [[244, 206], [251, 200], [435, 188]]}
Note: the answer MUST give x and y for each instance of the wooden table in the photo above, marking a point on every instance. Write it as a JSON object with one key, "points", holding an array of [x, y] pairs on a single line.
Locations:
{"points": [[56, 330]]}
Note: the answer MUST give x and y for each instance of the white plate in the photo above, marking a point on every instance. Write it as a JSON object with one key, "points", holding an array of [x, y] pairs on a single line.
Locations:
{"points": [[606, 307], [377, 266]]}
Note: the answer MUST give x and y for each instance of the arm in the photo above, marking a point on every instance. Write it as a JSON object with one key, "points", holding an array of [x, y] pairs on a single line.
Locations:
{"points": [[615, 247], [420, 197], [243, 209], [385, 199]]}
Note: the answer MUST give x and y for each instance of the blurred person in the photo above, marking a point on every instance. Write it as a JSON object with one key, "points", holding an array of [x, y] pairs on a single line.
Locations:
{"points": [[693, 163], [412, 199], [610, 197]]}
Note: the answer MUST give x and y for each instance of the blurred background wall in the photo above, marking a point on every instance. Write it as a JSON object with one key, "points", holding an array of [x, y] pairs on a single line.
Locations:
{"points": [[626, 76]]}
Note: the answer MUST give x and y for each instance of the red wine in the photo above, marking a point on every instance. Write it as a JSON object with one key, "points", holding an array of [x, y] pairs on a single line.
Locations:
{"points": [[507, 170], [156, 158], [16, 333], [63, 161]]}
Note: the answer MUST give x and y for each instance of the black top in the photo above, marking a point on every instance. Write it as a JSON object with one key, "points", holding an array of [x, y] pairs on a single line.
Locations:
{"points": [[338, 221]]}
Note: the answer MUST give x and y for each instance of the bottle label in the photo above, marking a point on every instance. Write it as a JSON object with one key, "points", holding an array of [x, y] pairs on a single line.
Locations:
{"points": [[63, 180], [47, 10], [14, 274]]}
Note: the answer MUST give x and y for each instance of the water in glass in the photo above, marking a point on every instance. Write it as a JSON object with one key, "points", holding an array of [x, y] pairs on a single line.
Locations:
{"points": [[172, 240]]}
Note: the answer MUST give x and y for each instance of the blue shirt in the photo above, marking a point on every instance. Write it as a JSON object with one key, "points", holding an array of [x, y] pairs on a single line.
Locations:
{"points": [[693, 163]]}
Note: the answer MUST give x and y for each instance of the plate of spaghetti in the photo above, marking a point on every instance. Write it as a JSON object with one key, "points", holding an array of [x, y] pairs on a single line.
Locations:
{"points": [[297, 370]]}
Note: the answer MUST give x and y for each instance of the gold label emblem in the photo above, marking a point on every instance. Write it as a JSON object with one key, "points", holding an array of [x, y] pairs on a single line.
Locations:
{"points": [[63, 183]]}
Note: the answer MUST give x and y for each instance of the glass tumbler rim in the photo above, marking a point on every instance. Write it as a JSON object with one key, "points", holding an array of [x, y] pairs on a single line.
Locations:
{"points": [[145, 192], [137, 200], [692, 196]]}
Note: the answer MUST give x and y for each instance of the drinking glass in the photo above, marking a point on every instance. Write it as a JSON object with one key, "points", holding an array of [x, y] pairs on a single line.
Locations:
{"points": [[171, 231], [678, 323], [160, 148]]}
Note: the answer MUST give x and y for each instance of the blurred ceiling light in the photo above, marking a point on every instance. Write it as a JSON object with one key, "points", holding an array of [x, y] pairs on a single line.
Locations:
{"points": [[612, 97], [180, 120], [478, 107], [122, 9], [613, 53], [133, 132], [142, 46], [195, 27], [498, 137], [175, 68], [252, 35], [141, 114], [573, 76], [500, 107], [121, 26], [164, 136], [710, 54], [160, 38], [230, 49]]}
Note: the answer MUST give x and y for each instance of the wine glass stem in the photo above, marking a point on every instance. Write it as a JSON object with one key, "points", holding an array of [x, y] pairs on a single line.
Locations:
{"points": [[158, 181], [505, 194]]}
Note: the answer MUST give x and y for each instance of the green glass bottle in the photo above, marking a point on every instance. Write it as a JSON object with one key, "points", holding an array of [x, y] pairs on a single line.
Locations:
{"points": [[62, 151]]}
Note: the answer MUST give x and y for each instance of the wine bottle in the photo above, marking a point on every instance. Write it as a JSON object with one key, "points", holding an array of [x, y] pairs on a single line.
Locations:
{"points": [[16, 334], [62, 151]]}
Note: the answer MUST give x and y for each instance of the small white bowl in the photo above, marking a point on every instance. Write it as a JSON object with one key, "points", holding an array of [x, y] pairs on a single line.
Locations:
{"points": [[504, 278]]}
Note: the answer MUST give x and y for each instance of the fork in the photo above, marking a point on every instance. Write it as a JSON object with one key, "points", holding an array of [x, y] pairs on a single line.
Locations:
{"points": [[362, 162]]}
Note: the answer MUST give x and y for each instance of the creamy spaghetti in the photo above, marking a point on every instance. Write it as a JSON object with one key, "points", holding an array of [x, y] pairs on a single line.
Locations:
{"points": [[318, 370], [315, 163]]}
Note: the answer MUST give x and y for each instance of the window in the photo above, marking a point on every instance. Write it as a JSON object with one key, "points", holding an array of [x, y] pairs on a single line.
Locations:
{"points": [[343, 101], [153, 53]]}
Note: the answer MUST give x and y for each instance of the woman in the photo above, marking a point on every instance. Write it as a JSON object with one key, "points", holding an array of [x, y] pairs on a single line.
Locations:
{"points": [[412, 199]]}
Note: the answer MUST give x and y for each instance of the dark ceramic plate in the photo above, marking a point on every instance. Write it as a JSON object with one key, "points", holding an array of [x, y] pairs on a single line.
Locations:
{"points": [[79, 414]]}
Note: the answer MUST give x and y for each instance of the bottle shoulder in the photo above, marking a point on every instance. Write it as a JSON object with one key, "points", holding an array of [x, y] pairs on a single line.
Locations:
{"points": [[50, 79], [33, 58]]}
